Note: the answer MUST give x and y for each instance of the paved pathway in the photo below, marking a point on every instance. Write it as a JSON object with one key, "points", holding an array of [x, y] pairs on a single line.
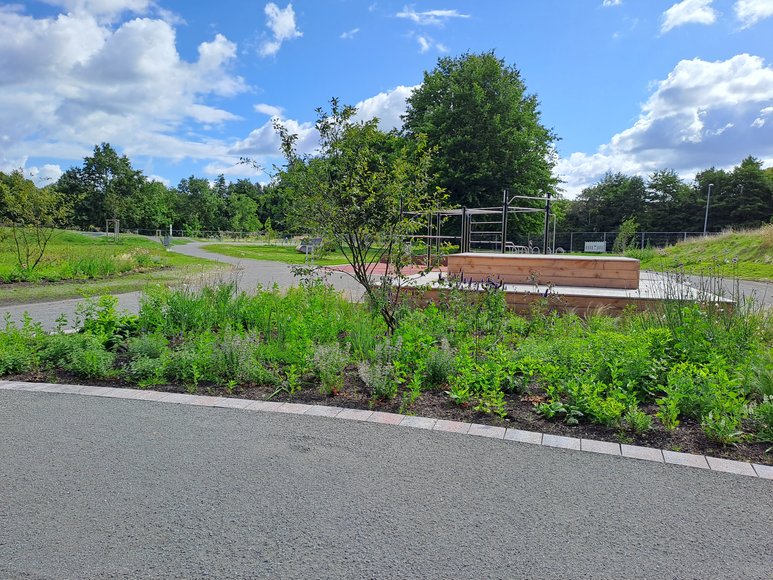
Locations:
{"points": [[248, 274], [102, 487]]}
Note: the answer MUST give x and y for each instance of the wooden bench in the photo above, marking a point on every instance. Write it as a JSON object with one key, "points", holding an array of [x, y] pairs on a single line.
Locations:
{"points": [[578, 271]]}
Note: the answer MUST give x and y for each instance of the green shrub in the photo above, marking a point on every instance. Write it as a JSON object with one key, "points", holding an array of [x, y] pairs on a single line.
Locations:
{"points": [[439, 364], [19, 346], [379, 379], [722, 428], [150, 346], [82, 354], [328, 364], [636, 420], [762, 418]]}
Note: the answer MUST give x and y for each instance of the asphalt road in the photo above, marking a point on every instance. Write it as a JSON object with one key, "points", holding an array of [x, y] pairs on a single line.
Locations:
{"points": [[110, 488]]}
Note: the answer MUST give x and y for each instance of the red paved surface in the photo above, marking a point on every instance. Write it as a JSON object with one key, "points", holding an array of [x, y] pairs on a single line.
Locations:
{"points": [[380, 269]]}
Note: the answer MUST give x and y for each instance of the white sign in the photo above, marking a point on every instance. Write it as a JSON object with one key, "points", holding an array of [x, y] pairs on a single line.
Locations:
{"points": [[596, 247]]}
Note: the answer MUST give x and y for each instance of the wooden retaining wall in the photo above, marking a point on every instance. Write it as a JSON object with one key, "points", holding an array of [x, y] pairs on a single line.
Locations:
{"points": [[577, 271]]}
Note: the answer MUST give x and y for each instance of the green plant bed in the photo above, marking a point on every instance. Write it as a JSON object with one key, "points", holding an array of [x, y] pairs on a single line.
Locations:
{"points": [[688, 378], [80, 256]]}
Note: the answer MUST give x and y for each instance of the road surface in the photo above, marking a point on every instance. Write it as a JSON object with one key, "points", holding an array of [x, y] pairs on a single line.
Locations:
{"points": [[111, 488]]}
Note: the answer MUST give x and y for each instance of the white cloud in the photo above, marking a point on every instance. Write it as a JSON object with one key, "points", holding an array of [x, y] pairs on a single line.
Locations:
{"points": [[71, 81], [429, 17], [703, 114], [348, 35], [270, 110], [608, 3], [264, 141], [760, 121], [688, 12], [388, 107], [749, 12], [281, 22], [427, 43], [262, 144]]}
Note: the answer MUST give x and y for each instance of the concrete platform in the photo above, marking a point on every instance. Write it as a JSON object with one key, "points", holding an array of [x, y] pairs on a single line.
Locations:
{"points": [[653, 288]]}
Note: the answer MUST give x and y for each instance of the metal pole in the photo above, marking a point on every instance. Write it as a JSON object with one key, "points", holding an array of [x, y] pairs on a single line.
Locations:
{"points": [[571, 242], [463, 242], [547, 223], [706, 218], [555, 219], [429, 239], [437, 234], [504, 222]]}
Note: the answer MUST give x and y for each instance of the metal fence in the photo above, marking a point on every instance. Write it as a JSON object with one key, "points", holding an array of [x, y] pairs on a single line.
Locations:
{"points": [[575, 241]]}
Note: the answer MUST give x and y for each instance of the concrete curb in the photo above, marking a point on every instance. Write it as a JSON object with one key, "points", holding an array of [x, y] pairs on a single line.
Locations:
{"points": [[469, 429]]}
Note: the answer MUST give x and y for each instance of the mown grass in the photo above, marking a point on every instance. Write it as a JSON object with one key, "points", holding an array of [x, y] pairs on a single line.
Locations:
{"points": [[77, 264], [286, 254], [745, 254], [689, 362]]}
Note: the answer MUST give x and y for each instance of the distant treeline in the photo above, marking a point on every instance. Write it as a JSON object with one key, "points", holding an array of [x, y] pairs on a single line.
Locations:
{"points": [[742, 197], [106, 186]]}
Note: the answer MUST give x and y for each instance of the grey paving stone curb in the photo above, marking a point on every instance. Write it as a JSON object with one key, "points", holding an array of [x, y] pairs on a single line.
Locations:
{"points": [[456, 427]]}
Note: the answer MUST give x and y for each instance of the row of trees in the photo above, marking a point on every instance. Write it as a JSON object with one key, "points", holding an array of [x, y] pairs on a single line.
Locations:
{"points": [[742, 197], [106, 186], [482, 133]]}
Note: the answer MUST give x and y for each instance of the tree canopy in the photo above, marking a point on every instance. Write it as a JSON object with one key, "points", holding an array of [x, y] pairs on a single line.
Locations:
{"points": [[365, 190], [476, 111]]}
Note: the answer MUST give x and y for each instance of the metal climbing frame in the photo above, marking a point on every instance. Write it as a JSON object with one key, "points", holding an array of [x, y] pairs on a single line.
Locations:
{"points": [[483, 227]]}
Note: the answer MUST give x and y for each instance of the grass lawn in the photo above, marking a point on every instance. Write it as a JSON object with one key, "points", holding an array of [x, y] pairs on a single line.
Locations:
{"points": [[76, 265], [286, 254], [747, 255]]}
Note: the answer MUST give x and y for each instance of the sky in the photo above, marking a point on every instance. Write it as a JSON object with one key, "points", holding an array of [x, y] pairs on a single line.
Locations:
{"points": [[188, 88]]}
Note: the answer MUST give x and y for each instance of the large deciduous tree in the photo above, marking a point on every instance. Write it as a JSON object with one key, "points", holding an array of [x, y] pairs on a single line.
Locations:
{"points": [[102, 188], [486, 127], [364, 190]]}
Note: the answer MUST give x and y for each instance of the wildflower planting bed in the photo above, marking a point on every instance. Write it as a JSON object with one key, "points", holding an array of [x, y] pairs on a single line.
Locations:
{"points": [[689, 377], [76, 256]]}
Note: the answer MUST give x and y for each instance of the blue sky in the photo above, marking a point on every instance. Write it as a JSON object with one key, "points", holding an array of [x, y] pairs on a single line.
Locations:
{"points": [[186, 88]]}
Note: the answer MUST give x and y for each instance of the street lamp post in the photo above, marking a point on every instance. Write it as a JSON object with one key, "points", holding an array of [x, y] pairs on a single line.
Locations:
{"points": [[706, 218]]}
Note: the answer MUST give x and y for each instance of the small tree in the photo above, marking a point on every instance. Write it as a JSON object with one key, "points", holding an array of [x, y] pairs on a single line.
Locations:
{"points": [[365, 190], [625, 235], [33, 215]]}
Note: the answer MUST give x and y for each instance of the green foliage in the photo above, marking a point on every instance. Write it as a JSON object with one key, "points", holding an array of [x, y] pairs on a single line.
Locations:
{"points": [[477, 112], [33, 215], [762, 416], [81, 354], [18, 346], [626, 235], [328, 364], [636, 420], [696, 365], [365, 190], [724, 429]]}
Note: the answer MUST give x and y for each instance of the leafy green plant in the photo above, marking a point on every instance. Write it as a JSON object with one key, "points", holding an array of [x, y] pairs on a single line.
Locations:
{"points": [[328, 364], [762, 418], [555, 409], [636, 420], [379, 379], [668, 411], [439, 364], [722, 428]]}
